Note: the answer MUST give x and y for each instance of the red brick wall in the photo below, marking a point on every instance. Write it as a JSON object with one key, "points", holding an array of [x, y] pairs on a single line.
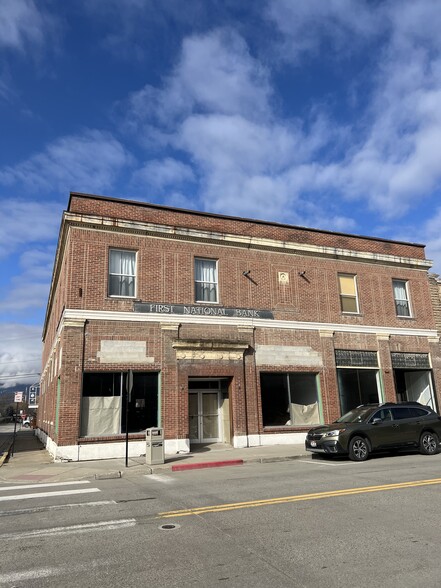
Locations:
{"points": [[138, 211], [165, 274]]}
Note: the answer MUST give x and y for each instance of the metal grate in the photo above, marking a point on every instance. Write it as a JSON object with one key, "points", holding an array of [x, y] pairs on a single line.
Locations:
{"points": [[355, 358], [410, 360]]}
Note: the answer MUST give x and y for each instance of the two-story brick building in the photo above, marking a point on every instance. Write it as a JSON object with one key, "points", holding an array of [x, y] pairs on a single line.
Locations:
{"points": [[236, 330]]}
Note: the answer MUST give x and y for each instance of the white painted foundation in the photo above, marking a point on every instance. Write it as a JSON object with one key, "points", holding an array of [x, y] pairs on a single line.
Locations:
{"points": [[92, 451]]}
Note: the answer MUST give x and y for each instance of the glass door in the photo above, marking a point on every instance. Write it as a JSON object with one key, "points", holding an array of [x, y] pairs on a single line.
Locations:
{"points": [[204, 416]]}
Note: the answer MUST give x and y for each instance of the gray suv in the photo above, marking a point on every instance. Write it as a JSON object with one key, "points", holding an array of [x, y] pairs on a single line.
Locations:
{"points": [[374, 427]]}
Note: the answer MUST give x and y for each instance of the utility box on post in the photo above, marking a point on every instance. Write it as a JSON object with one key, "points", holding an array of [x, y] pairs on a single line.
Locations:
{"points": [[154, 450]]}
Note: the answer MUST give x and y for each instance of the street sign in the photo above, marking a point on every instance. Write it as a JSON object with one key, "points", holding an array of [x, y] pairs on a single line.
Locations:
{"points": [[18, 397]]}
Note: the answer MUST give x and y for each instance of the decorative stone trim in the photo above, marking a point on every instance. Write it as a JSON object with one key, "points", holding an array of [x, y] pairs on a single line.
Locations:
{"points": [[210, 350], [172, 327], [325, 334]]}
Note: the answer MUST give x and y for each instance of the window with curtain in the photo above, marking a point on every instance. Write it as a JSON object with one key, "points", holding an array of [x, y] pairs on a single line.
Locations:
{"points": [[122, 272], [348, 293], [401, 298], [205, 280]]}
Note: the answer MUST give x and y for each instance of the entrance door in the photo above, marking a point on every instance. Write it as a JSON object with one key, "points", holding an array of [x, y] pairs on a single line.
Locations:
{"points": [[204, 416]]}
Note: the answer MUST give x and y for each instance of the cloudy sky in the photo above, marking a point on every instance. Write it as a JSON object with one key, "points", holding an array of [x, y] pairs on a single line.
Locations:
{"points": [[320, 113]]}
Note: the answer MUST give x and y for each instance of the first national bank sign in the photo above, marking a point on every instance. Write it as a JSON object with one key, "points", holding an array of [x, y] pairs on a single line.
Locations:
{"points": [[185, 309]]}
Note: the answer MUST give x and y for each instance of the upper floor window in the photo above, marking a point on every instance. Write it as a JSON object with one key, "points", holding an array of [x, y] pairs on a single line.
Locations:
{"points": [[205, 280], [401, 297], [348, 293], [122, 272]]}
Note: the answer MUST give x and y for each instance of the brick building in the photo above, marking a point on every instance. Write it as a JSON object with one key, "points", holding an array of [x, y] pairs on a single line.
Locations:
{"points": [[236, 330]]}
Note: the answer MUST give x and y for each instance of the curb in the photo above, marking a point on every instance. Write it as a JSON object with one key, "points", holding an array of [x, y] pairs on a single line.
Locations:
{"points": [[157, 469], [4, 455]]}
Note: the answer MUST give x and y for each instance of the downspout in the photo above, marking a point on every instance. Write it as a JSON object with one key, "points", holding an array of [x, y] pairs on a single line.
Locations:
{"points": [[83, 355]]}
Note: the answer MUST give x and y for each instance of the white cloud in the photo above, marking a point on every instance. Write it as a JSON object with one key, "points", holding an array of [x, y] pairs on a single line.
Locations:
{"points": [[26, 221], [24, 24], [162, 173], [217, 107], [29, 287], [215, 73], [88, 162], [391, 161], [432, 236], [337, 24], [20, 353]]}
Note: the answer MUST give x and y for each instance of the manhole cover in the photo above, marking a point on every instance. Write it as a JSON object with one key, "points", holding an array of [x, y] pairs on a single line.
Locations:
{"points": [[169, 527]]}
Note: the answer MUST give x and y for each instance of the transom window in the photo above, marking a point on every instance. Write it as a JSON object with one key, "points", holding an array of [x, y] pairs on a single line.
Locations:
{"points": [[205, 280], [122, 272], [401, 297], [348, 293]]}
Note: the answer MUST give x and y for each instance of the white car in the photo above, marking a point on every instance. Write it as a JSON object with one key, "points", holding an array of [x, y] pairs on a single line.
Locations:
{"points": [[26, 423]]}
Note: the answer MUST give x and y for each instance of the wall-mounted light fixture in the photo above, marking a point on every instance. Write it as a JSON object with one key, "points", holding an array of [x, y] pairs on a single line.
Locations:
{"points": [[247, 275], [303, 275]]}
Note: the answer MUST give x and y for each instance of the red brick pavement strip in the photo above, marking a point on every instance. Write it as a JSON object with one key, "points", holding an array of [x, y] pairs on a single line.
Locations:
{"points": [[207, 464]]}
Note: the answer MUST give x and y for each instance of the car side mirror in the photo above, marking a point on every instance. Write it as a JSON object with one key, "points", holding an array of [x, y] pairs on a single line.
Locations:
{"points": [[376, 421]]}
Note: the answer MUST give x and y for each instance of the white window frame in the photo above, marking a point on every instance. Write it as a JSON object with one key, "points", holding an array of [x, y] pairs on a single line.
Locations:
{"points": [[406, 288], [342, 296], [216, 262], [134, 276]]}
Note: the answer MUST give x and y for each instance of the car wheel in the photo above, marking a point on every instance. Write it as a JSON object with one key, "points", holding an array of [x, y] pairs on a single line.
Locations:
{"points": [[358, 449], [429, 443]]}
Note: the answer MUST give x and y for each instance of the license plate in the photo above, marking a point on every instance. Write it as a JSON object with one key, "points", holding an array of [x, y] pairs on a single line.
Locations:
{"points": [[313, 444]]}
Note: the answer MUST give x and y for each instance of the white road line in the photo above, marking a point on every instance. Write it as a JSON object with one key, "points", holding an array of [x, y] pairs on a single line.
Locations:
{"points": [[160, 478], [333, 465], [48, 494], [5, 513], [71, 530], [44, 485], [47, 572]]}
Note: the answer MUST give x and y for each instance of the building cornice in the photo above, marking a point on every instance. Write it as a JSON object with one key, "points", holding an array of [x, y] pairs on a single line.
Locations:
{"points": [[155, 230], [102, 315]]}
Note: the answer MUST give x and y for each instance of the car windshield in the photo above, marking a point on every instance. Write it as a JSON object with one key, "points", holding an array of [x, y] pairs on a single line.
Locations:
{"points": [[356, 415]]}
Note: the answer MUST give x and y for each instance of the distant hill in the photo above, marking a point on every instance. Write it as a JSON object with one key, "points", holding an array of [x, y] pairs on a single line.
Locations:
{"points": [[7, 393]]}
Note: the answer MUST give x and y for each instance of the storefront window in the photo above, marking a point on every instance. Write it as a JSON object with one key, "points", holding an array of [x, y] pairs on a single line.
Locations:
{"points": [[289, 399], [103, 410], [357, 386]]}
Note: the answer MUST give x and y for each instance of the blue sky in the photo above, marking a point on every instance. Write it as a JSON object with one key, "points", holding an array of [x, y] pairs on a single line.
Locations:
{"points": [[320, 113]]}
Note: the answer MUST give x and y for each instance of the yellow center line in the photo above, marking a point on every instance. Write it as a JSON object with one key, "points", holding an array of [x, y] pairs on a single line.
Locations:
{"points": [[296, 498]]}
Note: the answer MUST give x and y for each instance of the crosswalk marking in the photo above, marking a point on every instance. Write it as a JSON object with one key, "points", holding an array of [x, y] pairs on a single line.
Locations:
{"points": [[71, 529], [45, 485], [48, 494], [47, 572], [22, 511], [161, 478]]}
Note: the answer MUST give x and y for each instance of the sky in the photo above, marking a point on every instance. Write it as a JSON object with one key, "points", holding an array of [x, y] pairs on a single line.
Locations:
{"points": [[318, 113]]}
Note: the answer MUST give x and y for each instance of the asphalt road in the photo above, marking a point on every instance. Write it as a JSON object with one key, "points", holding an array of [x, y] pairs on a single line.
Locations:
{"points": [[311, 522]]}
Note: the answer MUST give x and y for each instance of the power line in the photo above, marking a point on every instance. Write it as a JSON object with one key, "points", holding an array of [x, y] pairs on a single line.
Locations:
{"points": [[28, 360], [18, 376]]}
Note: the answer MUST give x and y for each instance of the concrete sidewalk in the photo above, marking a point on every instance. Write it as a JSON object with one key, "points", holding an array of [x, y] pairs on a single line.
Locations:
{"points": [[31, 461]]}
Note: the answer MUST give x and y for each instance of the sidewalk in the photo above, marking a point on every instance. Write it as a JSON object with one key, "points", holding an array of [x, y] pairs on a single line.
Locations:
{"points": [[31, 461]]}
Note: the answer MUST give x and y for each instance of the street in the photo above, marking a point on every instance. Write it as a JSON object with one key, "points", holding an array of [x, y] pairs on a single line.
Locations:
{"points": [[307, 522]]}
